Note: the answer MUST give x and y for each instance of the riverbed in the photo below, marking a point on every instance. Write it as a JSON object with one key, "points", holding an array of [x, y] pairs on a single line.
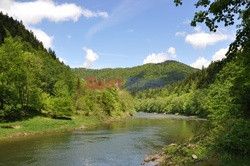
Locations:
{"points": [[121, 143]]}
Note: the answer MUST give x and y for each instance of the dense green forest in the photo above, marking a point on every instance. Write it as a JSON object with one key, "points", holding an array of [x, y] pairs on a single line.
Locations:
{"points": [[169, 71], [221, 93], [186, 97], [34, 82]]}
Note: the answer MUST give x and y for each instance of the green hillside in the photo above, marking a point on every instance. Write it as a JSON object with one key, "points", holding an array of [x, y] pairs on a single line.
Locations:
{"points": [[169, 71], [34, 82]]}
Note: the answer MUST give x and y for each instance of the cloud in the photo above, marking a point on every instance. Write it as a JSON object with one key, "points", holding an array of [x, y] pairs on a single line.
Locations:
{"points": [[125, 10], [90, 57], [220, 54], [155, 58], [34, 12], [203, 62], [171, 52], [201, 39], [43, 37], [200, 62], [160, 57]]}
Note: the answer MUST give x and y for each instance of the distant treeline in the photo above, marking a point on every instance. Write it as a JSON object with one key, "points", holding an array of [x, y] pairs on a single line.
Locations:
{"points": [[169, 71]]}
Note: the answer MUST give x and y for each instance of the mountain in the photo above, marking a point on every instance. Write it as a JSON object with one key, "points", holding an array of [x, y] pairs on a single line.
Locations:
{"points": [[169, 71]]}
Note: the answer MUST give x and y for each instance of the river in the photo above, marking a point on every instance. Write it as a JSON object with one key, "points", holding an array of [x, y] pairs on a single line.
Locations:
{"points": [[115, 144]]}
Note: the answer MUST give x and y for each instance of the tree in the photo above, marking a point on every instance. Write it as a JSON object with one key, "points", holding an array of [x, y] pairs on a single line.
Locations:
{"points": [[225, 11], [229, 86], [19, 80], [59, 105]]}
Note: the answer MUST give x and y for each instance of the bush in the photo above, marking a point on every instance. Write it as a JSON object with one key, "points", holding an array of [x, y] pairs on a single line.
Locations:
{"points": [[237, 138]]}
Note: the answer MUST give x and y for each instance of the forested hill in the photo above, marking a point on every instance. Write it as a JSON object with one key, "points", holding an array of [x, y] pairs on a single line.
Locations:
{"points": [[11, 27], [170, 71], [34, 82]]}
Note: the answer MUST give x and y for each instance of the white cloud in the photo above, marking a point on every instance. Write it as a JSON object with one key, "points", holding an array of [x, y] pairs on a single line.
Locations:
{"points": [[171, 52], [43, 37], [36, 11], [220, 54], [203, 62], [90, 57], [155, 58], [200, 62], [160, 57], [202, 39]]}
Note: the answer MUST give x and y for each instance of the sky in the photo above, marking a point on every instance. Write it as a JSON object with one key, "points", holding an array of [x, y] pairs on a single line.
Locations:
{"points": [[120, 33]]}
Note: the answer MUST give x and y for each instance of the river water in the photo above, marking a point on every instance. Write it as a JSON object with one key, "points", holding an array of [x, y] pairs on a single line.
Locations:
{"points": [[116, 144]]}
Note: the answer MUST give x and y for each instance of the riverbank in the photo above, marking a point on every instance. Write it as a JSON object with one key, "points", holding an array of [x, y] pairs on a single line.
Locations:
{"points": [[186, 153], [45, 125], [196, 151], [42, 125]]}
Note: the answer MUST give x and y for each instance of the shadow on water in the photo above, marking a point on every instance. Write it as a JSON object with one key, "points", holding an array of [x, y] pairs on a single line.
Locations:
{"points": [[119, 143]]}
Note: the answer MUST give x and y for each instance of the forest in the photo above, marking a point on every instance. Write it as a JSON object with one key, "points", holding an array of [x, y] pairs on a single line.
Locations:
{"points": [[169, 71], [34, 82]]}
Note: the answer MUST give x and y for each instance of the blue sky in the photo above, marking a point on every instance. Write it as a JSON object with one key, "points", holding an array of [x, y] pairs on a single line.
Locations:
{"points": [[120, 33]]}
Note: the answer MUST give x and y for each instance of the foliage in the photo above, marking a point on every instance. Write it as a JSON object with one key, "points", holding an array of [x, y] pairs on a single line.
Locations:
{"points": [[23, 81], [192, 103], [12, 28], [229, 106], [225, 87], [225, 11], [104, 102], [224, 101], [19, 84], [169, 71], [34, 82], [182, 154]]}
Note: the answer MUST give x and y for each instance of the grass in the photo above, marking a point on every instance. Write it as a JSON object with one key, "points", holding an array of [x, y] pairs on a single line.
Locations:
{"points": [[44, 125]]}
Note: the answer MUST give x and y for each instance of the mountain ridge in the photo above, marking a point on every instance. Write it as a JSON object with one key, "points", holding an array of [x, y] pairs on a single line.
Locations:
{"points": [[170, 71]]}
